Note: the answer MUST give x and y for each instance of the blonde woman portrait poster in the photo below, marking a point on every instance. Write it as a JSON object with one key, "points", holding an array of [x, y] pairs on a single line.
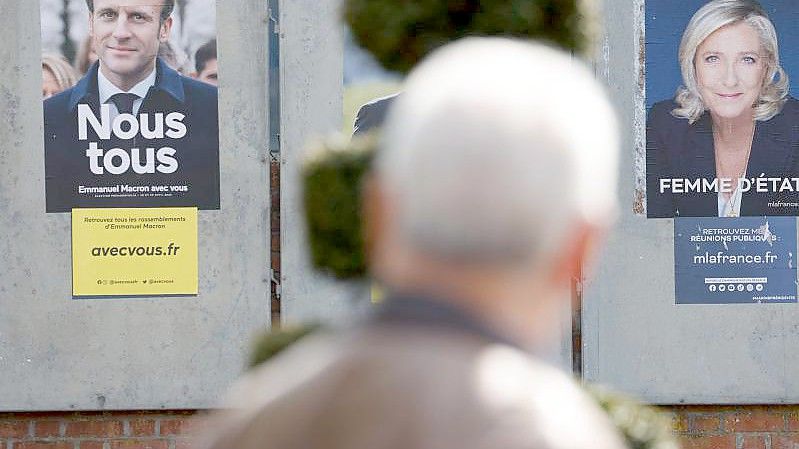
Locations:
{"points": [[722, 133]]}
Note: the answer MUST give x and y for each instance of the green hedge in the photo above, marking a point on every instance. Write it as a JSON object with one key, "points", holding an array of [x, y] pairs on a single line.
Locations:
{"points": [[399, 33], [332, 182]]}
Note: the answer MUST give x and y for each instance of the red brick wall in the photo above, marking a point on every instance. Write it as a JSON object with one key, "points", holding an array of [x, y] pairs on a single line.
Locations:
{"points": [[699, 427], [100, 430], [737, 427]]}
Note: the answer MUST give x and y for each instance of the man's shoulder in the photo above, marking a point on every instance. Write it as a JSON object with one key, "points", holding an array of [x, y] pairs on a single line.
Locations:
{"points": [[438, 354], [464, 377], [287, 371], [198, 89], [391, 380], [377, 107], [372, 114], [380, 102], [58, 102]]}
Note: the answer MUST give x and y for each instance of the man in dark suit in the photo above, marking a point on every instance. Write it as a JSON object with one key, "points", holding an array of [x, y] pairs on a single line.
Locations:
{"points": [[133, 132], [372, 114]]}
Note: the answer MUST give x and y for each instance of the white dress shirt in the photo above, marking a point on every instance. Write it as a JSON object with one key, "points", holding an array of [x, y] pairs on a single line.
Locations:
{"points": [[106, 89]]}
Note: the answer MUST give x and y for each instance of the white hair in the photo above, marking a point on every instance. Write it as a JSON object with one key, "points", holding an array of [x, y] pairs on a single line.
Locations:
{"points": [[495, 148]]}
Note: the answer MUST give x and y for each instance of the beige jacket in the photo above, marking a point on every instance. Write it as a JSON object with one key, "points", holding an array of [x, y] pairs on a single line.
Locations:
{"points": [[408, 387]]}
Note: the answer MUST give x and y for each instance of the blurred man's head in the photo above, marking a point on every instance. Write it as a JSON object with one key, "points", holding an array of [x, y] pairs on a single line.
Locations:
{"points": [[499, 158], [126, 35], [205, 63]]}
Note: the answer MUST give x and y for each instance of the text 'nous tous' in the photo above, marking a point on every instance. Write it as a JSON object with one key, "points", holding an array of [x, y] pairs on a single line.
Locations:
{"points": [[127, 126]]}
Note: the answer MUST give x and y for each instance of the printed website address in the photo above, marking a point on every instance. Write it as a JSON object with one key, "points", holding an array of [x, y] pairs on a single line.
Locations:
{"points": [[720, 258], [782, 204], [133, 251]]}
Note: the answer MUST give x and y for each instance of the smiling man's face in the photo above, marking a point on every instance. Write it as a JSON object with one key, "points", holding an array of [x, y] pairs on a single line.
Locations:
{"points": [[125, 35]]}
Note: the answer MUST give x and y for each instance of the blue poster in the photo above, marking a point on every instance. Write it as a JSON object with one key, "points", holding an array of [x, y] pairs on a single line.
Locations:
{"points": [[747, 260], [128, 122], [721, 72]]}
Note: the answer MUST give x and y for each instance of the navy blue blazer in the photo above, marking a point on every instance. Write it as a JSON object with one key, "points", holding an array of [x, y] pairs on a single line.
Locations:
{"points": [[677, 149], [69, 181], [373, 114]]}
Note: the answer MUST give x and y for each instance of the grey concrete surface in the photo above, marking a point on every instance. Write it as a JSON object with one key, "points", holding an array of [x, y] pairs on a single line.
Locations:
{"points": [[57, 353], [311, 74], [635, 338], [311, 98]]}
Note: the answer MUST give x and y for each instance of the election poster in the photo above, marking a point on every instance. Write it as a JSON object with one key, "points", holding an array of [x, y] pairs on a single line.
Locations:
{"points": [[721, 134], [750, 260], [130, 104], [134, 252]]}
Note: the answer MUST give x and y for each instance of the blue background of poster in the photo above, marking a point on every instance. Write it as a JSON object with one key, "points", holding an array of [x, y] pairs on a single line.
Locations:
{"points": [[695, 271], [665, 22]]}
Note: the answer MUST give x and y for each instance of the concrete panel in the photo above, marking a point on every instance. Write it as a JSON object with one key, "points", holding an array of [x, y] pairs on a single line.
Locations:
{"points": [[311, 92], [635, 338], [57, 353], [311, 74]]}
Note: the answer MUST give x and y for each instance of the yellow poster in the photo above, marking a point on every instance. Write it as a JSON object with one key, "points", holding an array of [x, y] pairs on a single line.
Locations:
{"points": [[134, 251]]}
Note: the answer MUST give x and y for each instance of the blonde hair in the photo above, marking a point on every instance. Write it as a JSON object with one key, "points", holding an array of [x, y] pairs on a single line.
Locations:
{"points": [[62, 71], [710, 18]]}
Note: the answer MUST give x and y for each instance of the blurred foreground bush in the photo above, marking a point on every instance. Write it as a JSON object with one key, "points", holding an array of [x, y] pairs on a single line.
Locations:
{"points": [[399, 33], [332, 182]]}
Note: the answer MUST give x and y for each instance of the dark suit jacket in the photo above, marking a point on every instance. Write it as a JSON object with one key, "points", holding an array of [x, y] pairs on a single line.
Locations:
{"points": [[677, 149], [373, 114], [197, 153]]}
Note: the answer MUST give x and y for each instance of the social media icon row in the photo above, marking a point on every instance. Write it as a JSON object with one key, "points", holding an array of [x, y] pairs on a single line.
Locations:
{"points": [[735, 287]]}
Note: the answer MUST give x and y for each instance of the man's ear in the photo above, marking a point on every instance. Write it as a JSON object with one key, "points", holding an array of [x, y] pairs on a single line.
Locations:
{"points": [[91, 24], [384, 253], [372, 214], [166, 27], [578, 249]]}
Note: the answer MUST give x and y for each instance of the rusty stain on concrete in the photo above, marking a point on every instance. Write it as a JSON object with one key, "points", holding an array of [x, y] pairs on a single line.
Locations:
{"points": [[639, 202], [639, 115]]}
